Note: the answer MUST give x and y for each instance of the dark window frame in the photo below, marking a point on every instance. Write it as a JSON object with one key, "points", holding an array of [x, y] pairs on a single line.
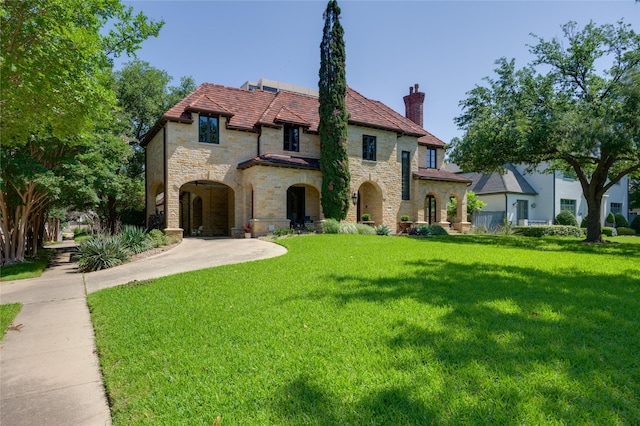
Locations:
{"points": [[569, 205], [369, 147], [432, 158], [291, 138], [406, 175], [208, 136], [615, 207]]}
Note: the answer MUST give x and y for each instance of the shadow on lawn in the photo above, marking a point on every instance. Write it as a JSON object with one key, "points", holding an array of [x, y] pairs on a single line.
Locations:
{"points": [[563, 345], [304, 402], [576, 245]]}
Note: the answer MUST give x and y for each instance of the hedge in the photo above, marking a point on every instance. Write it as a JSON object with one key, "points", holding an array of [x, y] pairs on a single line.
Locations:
{"points": [[548, 230], [625, 231]]}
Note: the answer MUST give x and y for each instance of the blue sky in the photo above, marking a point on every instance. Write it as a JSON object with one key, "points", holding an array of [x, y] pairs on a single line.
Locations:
{"points": [[447, 47]]}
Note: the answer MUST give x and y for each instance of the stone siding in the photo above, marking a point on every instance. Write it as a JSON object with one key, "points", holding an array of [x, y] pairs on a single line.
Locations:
{"points": [[258, 195]]}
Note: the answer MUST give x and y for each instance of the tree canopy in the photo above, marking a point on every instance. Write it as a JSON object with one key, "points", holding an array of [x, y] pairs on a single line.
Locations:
{"points": [[334, 161], [55, 63], [55, 84], [565, 111]]}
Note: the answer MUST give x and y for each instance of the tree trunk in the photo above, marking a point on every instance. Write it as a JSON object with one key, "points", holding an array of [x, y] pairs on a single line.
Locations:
{"points": [[112, 219], [594, 228]]}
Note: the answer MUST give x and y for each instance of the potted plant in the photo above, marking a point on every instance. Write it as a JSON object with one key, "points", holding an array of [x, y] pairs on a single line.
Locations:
{"points": [[366, 219], [247, 230], [404, 224]]}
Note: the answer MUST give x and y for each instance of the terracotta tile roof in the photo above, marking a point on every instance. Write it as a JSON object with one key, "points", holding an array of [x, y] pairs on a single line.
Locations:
{"points": [[247, 110], [439, 175], [295, 108], [206, 104], [281, 161], [430, 140]]}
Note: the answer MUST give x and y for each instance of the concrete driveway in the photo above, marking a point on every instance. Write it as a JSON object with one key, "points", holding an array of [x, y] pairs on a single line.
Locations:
{"points": [[49, 369], [190, 255]]}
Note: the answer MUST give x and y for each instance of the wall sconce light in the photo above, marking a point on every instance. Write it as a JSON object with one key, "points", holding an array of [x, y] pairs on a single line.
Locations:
{"points": [[515, 203], [354, 198], [533, 205]]}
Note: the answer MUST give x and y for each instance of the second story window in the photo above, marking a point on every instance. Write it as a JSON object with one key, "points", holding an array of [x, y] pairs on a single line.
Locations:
{"points": [[406, 175], [208, 131], [369, 148], [431, 158], [291, 138]]}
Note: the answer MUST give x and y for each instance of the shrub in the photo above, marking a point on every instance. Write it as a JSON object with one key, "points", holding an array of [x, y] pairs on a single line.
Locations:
{"points": [[429, 230], [366, 217], [506, 228], [423, 230], [607, 230], [383, 230], [102, 252], [625, 231], [610, 218], [404, 218], [479, 230], [548, 230], [635, 224], [584, 223], [437, 230], [135, 239], [347, 228], [330, 226], [621, 221], [365, 229], [412, 231], [282, 232], [565, 217], [157, 238]]}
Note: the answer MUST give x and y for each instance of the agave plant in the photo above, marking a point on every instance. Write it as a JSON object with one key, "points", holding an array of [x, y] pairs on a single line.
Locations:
{"points": [[102, 252], [135, 239], [383, 230]]}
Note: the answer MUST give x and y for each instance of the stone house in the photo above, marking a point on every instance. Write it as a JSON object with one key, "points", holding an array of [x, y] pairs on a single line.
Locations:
{"points": [[225, 157]]}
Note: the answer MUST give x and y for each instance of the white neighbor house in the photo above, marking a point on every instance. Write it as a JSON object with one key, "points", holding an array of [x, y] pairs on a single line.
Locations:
{"points": [[537, 198]]}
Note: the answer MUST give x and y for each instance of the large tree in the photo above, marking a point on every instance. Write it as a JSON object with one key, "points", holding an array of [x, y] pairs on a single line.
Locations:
{"points": [[143, 95], [565, 111], [55, 83], [334, 161], [634, 193]]}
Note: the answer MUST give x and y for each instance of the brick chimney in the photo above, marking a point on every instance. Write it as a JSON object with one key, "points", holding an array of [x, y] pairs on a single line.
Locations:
{"points": [[413, 105]]}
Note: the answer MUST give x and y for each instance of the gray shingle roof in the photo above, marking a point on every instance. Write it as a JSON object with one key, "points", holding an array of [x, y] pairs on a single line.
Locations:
{"points": [[495, 183]]}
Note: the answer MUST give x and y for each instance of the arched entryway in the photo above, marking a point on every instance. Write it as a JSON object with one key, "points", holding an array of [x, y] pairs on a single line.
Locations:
{"points": [[303, 204], [370, 202], [206, 209], [430, 209], [455, 213]]}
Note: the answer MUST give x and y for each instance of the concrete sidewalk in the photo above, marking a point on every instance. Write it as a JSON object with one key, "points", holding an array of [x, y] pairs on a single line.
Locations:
{"points": [[49, 371]]}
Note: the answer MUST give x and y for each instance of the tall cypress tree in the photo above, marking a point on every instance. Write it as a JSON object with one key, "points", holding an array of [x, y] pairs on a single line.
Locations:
{"points": [[334, 162]]}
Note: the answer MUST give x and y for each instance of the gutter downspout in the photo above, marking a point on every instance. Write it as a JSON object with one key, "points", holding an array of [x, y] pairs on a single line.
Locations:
{"points": [[258, 142], [506, 206]]}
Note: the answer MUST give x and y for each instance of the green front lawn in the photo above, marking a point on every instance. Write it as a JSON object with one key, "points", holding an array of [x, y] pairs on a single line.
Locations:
{"points": [[349, 329], [7, 313], [31, 268]]}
